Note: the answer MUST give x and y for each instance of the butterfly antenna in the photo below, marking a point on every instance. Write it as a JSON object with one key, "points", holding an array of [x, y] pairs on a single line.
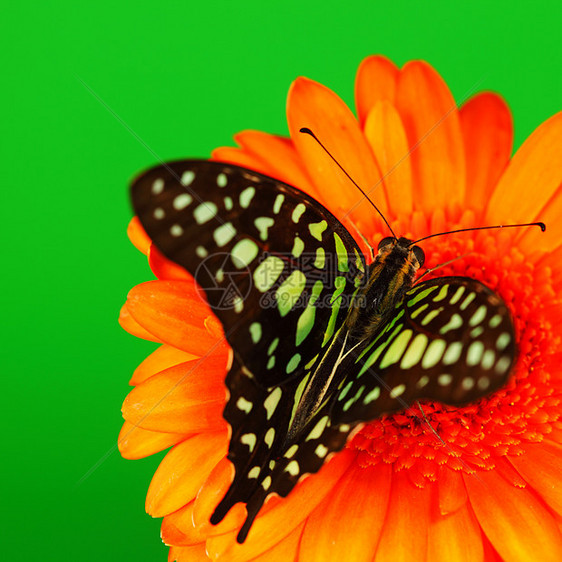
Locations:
{"points": [[541, 225], [307, 131]]}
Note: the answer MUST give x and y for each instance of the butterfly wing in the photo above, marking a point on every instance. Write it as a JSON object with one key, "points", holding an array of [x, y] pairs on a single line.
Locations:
{"points": [[452, 340], [271, 260]]}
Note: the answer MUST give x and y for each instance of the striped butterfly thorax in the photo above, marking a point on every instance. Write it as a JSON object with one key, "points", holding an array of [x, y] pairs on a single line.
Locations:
{"points": [[321, 341]]}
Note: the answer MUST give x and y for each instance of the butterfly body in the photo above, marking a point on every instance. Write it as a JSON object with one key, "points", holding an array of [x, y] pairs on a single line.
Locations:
{"points": [[322, 342], [388, 278]]}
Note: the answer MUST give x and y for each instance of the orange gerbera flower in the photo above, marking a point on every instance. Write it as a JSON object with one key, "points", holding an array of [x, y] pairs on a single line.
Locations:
{"points": [[492, 488]]}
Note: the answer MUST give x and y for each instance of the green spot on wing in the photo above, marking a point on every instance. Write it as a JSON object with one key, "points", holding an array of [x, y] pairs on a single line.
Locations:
{"points": [[255, 332], [378, 350], [339, 284], [263, 224], [204, 212], [273, 346], [311, 362], [306, 319], [246, 197], [442, 293], [320, 260], [317, 228], [293, 363], [343, 264], [458, 294], [372, 396], [419, 310], [335, 302], [454, 323], [345, 391], [396, 349], [421, 295], [298, 247], [267, 272], [244, 252], [289, 291], [278, 202], [431, 315], [224, 234], [297, 212]]}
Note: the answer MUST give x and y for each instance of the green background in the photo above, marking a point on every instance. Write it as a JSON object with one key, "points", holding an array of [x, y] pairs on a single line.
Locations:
{"points": [[175, 79]]}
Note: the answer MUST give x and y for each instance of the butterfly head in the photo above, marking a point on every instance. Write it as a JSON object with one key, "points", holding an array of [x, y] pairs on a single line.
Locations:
{"points": [[400, 249]]}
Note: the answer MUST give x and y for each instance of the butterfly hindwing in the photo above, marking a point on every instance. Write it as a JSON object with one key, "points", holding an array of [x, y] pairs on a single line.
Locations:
{"points": [[451, 340], [272, 260], [264, 463]]}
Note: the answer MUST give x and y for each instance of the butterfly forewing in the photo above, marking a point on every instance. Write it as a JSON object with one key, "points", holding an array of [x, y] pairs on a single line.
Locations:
{"points": [[271, 260]]}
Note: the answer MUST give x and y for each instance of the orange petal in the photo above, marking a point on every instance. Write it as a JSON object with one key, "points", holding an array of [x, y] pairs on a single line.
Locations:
{"points": [[274, 525], [129, 324], [518, 525], [452, 492], [174, 312], [558, 520], [286, 550], [182, 472], [239, 157], [540, 466], [487, 129], [536, 243], [138, 236], [386, 135], [404, 535], [137, 443], [376, 80], [188, 553], [165, 356], [347, 524], [212, 491], [431, 120], [186, 398], [178, 528], [314, 106], [163, 268], [280, 157], [490, 554], [524, 191], [456, 536]]}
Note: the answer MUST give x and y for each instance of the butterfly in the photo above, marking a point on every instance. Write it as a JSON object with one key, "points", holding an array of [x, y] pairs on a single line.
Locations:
{"points": [[322, 342]]}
